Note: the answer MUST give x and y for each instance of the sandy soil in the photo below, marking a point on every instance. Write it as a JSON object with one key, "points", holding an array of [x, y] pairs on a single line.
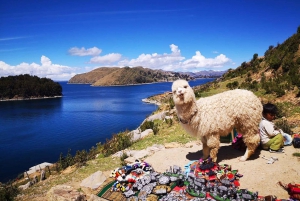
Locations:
{"points": [[258, 175]]}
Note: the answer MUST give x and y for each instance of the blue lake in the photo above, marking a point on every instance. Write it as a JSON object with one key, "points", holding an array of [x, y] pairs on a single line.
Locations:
{"points": [[36, 131]]}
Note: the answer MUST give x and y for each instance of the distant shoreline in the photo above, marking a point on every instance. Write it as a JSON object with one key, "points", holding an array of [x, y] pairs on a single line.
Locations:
{"points": [[35, 98], [124, 85]]}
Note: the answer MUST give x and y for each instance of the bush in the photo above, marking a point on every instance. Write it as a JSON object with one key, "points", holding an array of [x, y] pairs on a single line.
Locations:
{"points": [[118, 142], [283, 125], [232, 85], [149, 125], [81, 158], [169, 121], [8, 192], [171, 103], [123, 157]]}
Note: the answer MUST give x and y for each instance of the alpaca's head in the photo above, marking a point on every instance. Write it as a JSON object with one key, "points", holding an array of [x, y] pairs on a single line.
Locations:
{"points": [[182, 92]]}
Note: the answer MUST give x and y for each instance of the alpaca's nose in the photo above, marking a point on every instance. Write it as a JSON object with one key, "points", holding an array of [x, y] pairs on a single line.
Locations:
{"points": [[180, 90]]}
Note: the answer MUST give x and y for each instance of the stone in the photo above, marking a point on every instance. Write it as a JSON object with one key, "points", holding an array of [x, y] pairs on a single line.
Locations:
{"points": [[155, 148], [172, 145], [96, 198], [37, 168], [135, 135], [42, 175], [64, 193], [25, 186], [93, 181], [146, 132], [160, 116]]}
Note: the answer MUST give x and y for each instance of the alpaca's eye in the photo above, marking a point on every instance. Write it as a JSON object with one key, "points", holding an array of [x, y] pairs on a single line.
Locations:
{"points": [[185, 86]]}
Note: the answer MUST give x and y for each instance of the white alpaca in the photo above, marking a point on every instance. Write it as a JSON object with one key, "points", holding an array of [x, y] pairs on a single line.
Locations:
{"points": [[215, 116]]}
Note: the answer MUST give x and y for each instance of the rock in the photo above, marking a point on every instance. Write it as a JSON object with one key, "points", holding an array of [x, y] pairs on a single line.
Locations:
{"points": [[42, 175], [93, 181], [37, 168], [146, 132], [64, 193], [172, 145], [129, 160], [155, 148], [135, 135], [189, 144], [96, 198], [159, 116], [25, 186], [140, 154]]}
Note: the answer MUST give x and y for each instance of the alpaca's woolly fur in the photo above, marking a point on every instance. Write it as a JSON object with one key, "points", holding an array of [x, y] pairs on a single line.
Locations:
{"points": [[215, 116]]}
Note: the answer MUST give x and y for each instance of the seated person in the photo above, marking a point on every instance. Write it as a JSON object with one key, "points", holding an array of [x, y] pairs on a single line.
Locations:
{"points": [[271, 137]]}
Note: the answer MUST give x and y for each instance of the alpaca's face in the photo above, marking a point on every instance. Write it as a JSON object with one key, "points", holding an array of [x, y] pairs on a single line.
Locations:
{"points": [[182, 92]]}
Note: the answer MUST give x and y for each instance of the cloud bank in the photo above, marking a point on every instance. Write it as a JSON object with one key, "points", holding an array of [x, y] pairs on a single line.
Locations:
{"points": [[45, 69], [172, 61]]}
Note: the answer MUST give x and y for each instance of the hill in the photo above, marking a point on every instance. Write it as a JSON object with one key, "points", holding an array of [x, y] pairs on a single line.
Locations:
{"points": [[107, 76], [206, 74], [28, 87]]}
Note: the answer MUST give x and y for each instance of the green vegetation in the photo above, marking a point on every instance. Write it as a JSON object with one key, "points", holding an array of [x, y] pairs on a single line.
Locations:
{"points": [[8, 192], [27, 86], [149, 125]]}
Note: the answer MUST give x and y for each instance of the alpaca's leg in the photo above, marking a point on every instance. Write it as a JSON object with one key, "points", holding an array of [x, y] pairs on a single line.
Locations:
{"points": [[213, 142], [251, 140], [205, 148]]}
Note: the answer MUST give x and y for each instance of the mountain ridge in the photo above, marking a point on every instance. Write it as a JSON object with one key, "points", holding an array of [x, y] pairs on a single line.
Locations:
{"points": [[109, 76]]}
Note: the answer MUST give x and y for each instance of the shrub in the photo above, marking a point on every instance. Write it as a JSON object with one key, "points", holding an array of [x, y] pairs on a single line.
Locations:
{"points": [[283, 124], [149, 125], [171, 103], [8, 192], [81, 158], [169, 121], [123, 157], [232, 85], [117, 143]]}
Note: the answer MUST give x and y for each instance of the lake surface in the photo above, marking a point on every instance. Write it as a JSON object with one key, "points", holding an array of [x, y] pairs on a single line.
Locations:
{"points": [[37, 131]]}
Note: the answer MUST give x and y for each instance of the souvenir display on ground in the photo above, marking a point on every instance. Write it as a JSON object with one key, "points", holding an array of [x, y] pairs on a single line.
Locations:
{"points": [[200, 180]]}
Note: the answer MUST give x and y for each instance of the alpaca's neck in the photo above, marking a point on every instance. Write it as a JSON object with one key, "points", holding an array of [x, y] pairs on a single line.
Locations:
{"points": [[186, 111]]}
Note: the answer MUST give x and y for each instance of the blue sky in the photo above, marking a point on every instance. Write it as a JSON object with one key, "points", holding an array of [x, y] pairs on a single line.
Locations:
{"points": [[59, 38]]}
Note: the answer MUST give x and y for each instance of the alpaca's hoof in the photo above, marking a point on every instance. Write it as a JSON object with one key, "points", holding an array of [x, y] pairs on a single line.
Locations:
{"points": [[243, 158]]}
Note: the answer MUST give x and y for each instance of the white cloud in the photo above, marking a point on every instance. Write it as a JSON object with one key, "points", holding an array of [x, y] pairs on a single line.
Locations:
{"points": [[45, 69], [199, 61], [175, 61], [75, 51], [106, 59], [157, 61]]}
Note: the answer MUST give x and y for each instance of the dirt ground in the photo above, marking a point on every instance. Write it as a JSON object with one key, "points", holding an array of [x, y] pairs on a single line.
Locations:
{"points": [[257, 174]]}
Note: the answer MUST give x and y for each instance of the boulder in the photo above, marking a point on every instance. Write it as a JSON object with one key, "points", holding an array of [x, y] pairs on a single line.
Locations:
{"points": [[25, 186], [64, 193], [93, 181], [160, 116], [135, 135], [146, 132]]}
